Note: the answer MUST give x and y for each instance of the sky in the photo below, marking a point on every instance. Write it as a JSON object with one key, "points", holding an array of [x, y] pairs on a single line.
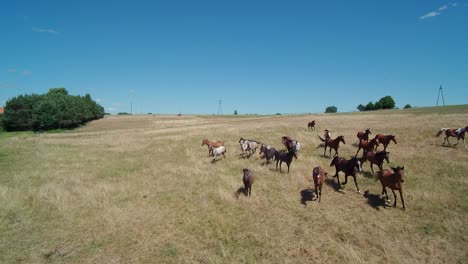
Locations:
{"points": [[257, 57]]}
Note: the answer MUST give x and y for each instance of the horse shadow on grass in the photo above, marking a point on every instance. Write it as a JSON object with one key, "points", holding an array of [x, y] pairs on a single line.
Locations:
{"points": [[368, 175], [240, 191], [336, 186], [307, 195], [374, 200]]}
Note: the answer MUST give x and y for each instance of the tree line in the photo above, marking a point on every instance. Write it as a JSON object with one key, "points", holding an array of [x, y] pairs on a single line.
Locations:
{"points": [[54, 110], [385, 102]]}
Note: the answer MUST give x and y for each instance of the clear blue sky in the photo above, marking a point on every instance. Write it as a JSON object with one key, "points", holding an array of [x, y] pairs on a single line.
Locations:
{"points": [[258, 56]]}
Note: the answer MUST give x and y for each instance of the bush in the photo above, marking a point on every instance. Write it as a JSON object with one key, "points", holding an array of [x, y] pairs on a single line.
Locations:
{"points": [[407, 106], [331, 109], [385, 102], [54, 110]]}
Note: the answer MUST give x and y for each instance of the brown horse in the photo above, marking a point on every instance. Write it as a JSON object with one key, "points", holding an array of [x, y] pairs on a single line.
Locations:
{"points": [[367, 145], [392, 180], [248, 180], [459, 133], [311, 125], [318, 174], [364, 135], [213, 144], [348, 167], [332, 144], [375, 158], [385, 140]]}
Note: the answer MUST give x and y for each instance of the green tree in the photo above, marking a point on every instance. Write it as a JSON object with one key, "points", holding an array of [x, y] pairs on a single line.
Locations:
{"points": [[235, 112], [331, 109], [407, 106], [370, 106], [361, 108], [385, 102]]}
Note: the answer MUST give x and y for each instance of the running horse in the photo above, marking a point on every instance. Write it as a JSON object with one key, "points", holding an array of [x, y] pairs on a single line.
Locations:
{"points": [[311, 125], [364, 135], [332, 144], [459, 133], [348, 167], [392, 180], [213, 144], [385, 140]]}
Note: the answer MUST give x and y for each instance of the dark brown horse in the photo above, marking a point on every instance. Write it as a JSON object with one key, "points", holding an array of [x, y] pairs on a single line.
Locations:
{"points": [[318, 174], [248, 180], [213, 144], [311, 125], [364, 135], [367, 145], [385, 140], [268, 152], [392, 180], [281, 156], [459, 133], [348, 167], [375, 158], [332, 144]]}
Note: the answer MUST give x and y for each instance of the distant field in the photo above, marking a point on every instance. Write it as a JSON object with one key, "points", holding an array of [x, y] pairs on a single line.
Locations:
{"points": [[141, 189]]}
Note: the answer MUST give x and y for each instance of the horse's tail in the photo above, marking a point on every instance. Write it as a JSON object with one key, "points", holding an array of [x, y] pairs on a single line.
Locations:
{"points": [[323, 140], [440, 132], [334, 161]]}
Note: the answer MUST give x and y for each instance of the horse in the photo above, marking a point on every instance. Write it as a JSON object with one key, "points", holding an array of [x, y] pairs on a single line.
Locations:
{"points": [[281, 156], [217, 151], [364, 135], [311, 125], [212, 143], [367, 145], [318, 174], [269, 152], [375, 158], [332, 144], [248, 146], [248, 180], [348, 167], [385, 140], [291, 144], [392, 180], [459, 133]]}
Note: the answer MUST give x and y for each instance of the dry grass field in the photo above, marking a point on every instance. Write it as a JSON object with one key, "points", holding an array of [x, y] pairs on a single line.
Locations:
{"points": [[141, 189]]}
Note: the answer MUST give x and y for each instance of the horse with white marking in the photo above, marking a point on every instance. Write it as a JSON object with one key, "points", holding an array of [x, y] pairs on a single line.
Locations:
{"points": [[459, 133], [217, 151]]}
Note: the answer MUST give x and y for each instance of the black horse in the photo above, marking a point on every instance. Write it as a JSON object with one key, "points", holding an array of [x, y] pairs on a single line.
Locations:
{"points": [[281, 156], [348, 167], [269, 152]]}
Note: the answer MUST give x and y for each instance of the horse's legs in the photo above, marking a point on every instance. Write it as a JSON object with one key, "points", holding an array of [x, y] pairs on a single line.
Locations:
{"points": [[319, 195], [325, 150], [394, 196], [280, 164], [402, 200], [355, 183], [357, 152], [346, 179], [277, 164], [336, 152], [384, 191]]}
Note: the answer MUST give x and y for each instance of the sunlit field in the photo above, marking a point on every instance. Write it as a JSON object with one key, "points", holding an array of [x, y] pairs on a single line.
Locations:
{"points": [[141, 189]]}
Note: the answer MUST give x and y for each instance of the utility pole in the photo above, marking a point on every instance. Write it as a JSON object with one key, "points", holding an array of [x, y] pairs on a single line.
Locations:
{"points": [[220, 107], [440, 94]]}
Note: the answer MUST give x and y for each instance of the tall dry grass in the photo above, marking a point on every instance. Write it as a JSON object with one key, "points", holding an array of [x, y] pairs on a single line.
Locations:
{"points": [[142, 190]]}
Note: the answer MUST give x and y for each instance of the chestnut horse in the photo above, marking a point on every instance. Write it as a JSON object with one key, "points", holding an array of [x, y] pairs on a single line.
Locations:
{"points": [[348, 167], [375, 158], [385, 140], [214, 144], [311, 125], [459, 133], [364, 135], [392, 180], [332, 144], [318, 174], [367, 145]]}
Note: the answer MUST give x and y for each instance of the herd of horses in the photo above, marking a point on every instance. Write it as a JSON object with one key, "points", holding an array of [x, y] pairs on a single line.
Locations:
{"points": [[389, 178]]}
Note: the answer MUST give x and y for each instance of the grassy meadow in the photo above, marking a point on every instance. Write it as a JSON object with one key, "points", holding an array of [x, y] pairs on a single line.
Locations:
{"points": [[141, 189]]}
